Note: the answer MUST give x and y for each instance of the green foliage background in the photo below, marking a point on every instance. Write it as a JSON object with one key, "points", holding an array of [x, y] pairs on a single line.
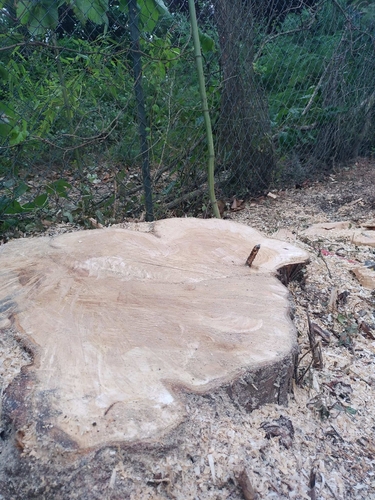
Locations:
{"points": [[68, 112]]}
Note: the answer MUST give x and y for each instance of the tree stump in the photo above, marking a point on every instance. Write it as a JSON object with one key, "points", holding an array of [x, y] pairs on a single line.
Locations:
{"points": [[120, 324]]}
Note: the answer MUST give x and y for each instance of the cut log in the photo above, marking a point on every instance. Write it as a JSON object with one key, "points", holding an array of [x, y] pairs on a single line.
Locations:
{"points": [[343, 230], [121, 324]]}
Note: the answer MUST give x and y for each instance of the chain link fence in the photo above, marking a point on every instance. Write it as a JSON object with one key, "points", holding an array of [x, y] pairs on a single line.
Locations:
{"points": [[101, 116]]}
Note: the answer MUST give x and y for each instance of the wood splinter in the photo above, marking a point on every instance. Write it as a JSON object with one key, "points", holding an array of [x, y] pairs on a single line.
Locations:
{"points": [[248, 490], [253, 254]]}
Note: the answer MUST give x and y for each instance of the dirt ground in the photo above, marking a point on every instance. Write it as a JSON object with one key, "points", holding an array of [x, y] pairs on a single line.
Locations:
{"points": [[320, 446]]}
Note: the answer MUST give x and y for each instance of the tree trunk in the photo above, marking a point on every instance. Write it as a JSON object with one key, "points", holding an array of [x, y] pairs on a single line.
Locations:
{"points": [[244, 138]]}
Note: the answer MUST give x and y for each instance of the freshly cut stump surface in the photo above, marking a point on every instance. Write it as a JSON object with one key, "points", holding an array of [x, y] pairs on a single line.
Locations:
{"points": [[120, 324]]}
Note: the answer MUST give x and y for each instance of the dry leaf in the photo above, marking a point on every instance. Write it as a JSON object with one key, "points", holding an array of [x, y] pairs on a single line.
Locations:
{"points": [[46, 223], [340, 389], [282, 427], [158, 478], [237, 205], [342, 297], [367, 330], [221, 205], [234, 204]]}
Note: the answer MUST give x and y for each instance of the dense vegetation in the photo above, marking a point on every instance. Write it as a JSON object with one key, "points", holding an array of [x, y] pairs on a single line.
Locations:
{"points": [[291, 93]]}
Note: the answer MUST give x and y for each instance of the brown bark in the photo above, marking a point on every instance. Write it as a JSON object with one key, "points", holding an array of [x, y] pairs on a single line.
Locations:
{"points": [[244, 137]]}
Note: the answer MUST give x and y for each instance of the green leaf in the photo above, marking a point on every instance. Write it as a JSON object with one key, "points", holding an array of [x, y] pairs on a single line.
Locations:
{"points": [[94, 10], [40, 17], [350, 410], [58, 188], [5, 128], [123, 5], [9, 183], [38, 202], [207, 43], [69, 216], [28, 207], [8, 127], [3, 72], [41, 200], [160, 70], [4, 203], [14, 207], [23, 10], [112, 89], [18, 135], [99, 216], [150, 11], [149, 14], [6, 110], [20, 190], [352, 329], [9, 223]]}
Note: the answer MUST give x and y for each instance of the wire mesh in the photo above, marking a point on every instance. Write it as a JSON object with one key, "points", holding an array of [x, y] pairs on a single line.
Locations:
{"points": [[101, 118]]}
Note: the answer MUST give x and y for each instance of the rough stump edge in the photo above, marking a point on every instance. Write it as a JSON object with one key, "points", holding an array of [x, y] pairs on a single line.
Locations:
{"points": [[250, 390]]}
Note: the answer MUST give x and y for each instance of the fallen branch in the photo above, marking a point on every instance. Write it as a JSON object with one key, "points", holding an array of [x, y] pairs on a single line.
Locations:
{"points": [[186, 197]]}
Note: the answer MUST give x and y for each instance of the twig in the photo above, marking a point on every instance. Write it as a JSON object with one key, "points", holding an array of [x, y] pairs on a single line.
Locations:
{"points": [[302, 128], [301, 358], [301, 377], [115, 201], [253, 254], [1, 401], [316, 90], [322, 257], [89, 140], [315, 346], [337, 434], [312, 482], [186, 197], [277, 35], [304, 27], [127, 193]]}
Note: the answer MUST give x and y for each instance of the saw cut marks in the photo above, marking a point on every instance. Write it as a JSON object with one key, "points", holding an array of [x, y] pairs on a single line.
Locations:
{"points": [[121, 324]]}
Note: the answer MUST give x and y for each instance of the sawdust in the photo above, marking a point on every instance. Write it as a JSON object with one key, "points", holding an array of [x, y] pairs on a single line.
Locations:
{"points": [[331, 451]]}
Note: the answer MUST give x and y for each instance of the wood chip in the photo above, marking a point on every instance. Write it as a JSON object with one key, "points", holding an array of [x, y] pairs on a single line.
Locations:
{"points": [[248, 490], [272, 195]]}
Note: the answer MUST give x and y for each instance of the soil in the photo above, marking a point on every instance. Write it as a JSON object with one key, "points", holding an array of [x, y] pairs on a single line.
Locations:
{"points": [[319, 446]]}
